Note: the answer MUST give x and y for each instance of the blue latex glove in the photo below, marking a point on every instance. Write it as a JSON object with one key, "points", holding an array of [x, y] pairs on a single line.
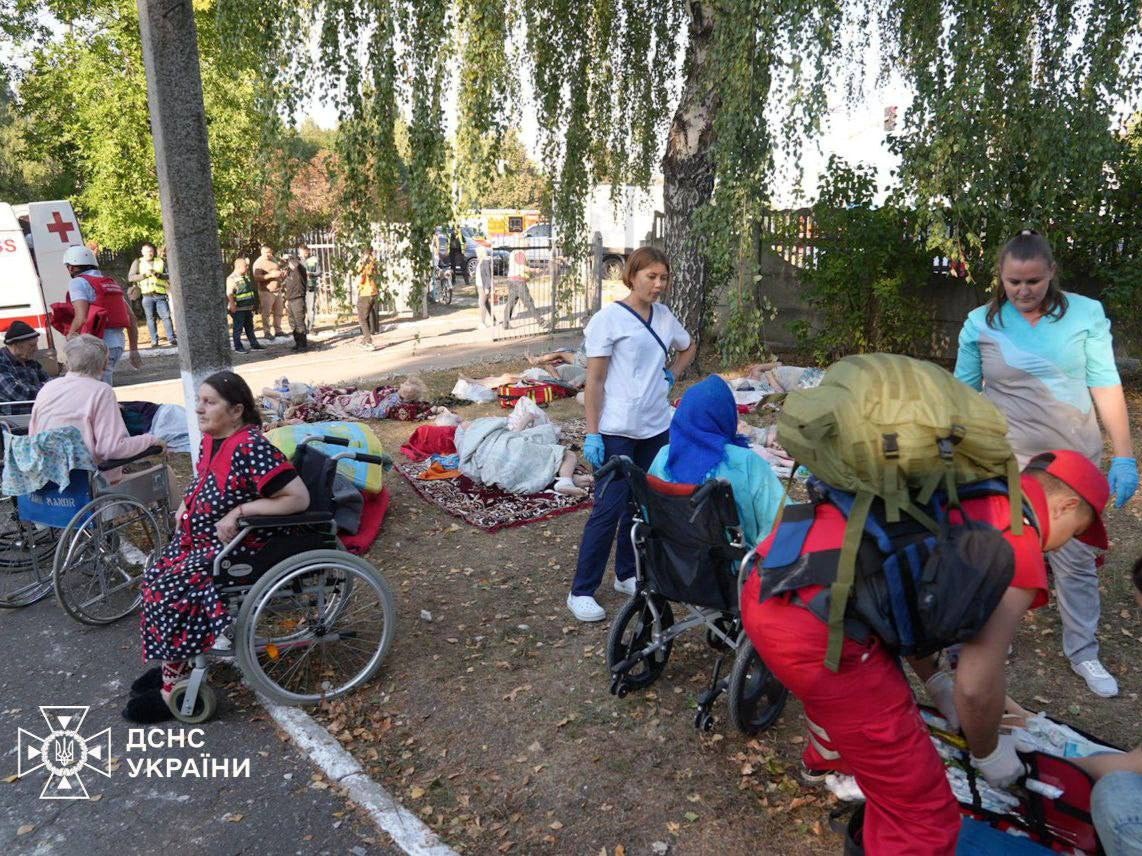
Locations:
{"points": [[593, 450], [669, 379], [1123, 480]]}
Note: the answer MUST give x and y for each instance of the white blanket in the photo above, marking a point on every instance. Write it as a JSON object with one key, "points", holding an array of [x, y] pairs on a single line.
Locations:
{"points": [[516, 461], [170, 425]]}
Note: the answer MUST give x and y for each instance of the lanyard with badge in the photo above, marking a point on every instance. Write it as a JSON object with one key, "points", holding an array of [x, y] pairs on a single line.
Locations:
{"points": [[645, 322]]}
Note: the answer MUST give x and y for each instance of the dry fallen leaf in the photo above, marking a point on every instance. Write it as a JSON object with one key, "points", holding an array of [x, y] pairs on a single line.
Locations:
{"points": [[556, 826], [25, 829], [416, 793], [233, 817], [9, 779]]}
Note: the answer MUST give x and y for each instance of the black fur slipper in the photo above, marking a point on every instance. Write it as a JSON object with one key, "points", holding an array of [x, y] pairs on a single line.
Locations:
{"points": [[152, 679], [147, 708]]}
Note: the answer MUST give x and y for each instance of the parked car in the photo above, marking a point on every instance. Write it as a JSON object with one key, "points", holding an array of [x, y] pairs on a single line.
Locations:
{"points": [[536, 242]]}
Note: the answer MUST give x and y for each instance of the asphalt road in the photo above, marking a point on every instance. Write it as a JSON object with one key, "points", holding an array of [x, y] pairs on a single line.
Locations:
{"points": [[48, 659]]}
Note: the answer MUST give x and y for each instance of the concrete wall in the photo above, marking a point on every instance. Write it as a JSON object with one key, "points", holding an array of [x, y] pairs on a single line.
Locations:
{"points": [[948, 300]]}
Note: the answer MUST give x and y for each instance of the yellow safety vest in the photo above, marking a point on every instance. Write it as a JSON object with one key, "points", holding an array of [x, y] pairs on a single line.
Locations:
{"points": [[150, 283]]}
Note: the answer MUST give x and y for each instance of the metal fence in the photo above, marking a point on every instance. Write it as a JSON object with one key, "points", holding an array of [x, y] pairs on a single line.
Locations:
{"points": [[558, 294]]}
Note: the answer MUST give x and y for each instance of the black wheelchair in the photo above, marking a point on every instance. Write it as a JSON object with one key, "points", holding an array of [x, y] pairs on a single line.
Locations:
{"points": [[689, 551], [311, 621]]}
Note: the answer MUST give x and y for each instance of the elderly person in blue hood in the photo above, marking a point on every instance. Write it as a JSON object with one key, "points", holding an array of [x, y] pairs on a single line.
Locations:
{"points": [[704, 444]]}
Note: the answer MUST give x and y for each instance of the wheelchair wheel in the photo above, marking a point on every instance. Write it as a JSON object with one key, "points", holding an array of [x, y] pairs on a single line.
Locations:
{"points": [[25, 559], [756, 698], [632, 631], [101, 557], [205, 704], [315, 626]]}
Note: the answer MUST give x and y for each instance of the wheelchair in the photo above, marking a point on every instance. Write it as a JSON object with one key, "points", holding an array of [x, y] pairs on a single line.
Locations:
{"points": [[311, 621], [25, 550], [101, 537], [690, 552]]}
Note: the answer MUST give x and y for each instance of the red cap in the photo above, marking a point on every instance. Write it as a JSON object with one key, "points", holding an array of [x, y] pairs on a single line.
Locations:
{"points": [[1084, 478]]}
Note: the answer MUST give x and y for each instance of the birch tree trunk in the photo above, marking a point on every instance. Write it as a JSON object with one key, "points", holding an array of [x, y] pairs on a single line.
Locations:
{"points": [[688, 172]]}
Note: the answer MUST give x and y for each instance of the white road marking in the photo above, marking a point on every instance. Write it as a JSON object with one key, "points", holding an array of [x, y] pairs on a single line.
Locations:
{"points": [[407, 830]]}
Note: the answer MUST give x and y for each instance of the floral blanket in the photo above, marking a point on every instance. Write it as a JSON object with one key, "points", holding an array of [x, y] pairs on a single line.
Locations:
{"points": [[50, 456], [490, 508], [326, 403]]}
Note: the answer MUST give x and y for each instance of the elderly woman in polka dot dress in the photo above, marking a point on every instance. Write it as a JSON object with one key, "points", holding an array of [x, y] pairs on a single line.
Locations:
{"points": [[240, 474]]}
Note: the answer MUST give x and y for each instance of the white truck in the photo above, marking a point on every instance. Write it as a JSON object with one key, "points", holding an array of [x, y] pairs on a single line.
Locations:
{"points": [[33, 238], [624, 222]]}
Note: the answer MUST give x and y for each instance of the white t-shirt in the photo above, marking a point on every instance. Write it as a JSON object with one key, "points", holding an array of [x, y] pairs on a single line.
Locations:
{"points": [[517, 265], [634, 396]]}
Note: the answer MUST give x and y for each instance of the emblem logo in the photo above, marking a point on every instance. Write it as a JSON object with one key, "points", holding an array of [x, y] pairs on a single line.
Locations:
{"points": [[64, 753]]}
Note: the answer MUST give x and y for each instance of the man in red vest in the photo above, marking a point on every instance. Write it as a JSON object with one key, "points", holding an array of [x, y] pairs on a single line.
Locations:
{"points": [[101, 308]]}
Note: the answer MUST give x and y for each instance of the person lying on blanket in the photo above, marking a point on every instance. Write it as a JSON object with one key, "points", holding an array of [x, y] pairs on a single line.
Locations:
{"points": [[1116, 802], [569, 367], [519, 455]]}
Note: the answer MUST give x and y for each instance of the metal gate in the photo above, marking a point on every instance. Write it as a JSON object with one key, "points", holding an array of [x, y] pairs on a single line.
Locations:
{"points": [[559, 293]]}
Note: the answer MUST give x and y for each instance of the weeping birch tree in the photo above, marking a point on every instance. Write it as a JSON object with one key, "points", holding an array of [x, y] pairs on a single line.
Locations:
{"points": [[1015, 118]]}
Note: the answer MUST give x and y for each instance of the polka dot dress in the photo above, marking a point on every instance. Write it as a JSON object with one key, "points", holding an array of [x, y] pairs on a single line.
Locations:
{"points": [[182, 610]]}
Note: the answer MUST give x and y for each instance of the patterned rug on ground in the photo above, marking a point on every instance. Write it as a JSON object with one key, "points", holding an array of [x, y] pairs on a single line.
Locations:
{"points": [[490, 508]]}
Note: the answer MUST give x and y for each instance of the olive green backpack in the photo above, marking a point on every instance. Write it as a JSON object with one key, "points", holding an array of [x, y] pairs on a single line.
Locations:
{"points": [[895, 428]]}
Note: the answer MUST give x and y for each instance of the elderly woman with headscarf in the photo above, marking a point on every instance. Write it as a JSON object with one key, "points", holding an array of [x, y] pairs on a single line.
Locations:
{"points": [[704, 444]]}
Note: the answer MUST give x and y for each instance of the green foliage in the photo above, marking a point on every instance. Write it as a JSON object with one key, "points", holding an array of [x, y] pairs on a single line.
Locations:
{"points": [[25, 176], [376, 56], [488, 89], [67, 96], [1116, 261], [514, 180], [1012, 122], [778, 70], [868, 274], [601, 72], [742, 337]]}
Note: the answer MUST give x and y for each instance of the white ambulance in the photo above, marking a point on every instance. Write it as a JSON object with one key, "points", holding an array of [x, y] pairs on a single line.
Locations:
{"points": [[32, 275]]}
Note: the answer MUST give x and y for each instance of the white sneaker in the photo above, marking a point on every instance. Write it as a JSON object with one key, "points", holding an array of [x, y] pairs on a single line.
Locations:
{"points": [[585, 608], [626, 586], [1100, 681]]}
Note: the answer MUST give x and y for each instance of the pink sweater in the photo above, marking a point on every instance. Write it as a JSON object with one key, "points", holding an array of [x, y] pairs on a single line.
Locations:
{"points": [[90, 406]]}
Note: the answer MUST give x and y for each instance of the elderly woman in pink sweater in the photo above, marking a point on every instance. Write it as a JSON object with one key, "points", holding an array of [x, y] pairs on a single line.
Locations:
{"points": [[82, 400]]}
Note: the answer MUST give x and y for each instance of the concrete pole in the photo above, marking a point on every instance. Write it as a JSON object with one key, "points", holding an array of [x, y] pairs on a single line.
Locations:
{"points": [[190, 219]]}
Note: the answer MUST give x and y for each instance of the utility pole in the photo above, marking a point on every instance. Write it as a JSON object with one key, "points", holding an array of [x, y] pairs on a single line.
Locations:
{"points": [[190, 219]]}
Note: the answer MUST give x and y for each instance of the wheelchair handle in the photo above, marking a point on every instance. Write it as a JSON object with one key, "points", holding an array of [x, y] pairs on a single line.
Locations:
{"points": [[701, 494], [115, 463], [364, 457], [615, 462], [332, 441]]}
